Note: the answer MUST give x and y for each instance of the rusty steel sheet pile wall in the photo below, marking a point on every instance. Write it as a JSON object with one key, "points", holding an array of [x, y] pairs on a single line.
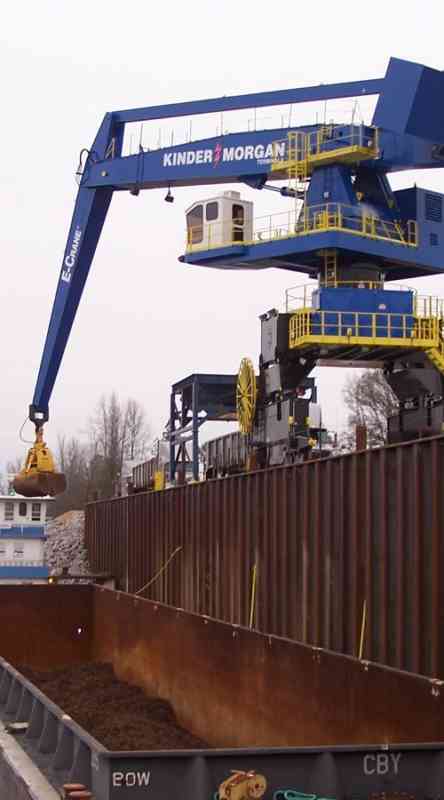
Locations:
{"points": [[333, 541]]}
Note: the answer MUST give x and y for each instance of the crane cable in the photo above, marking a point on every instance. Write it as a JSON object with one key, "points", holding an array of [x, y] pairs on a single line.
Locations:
{"points": [[26, 441]]}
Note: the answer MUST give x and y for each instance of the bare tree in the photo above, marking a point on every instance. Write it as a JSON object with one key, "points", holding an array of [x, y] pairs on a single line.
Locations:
{"points": [[117, 432], [137, 431], [369, 400], [14, 466], [105, 431], [73, 460]]}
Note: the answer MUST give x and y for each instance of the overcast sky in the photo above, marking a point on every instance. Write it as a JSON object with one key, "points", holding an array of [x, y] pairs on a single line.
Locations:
{"points": [[146, 320]]}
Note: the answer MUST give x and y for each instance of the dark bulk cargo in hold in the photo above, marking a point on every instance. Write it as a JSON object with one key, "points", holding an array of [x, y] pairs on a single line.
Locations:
{"points": [[280, 718]]}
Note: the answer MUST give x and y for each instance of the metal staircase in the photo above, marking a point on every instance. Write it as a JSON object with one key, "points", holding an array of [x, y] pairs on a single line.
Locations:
{"points": [[436, 356]]}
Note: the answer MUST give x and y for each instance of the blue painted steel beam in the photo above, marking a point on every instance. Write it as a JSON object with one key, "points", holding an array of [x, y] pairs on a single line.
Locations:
{"points": [[306, 94], [412, 101], [205, 378], [399, 260], [236, 157], [86, 225], [172, 441], [195, 429], [89, 215]]}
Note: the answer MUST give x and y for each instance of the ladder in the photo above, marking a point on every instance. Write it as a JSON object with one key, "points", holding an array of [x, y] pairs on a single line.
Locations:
{"points": [[330, 268], [297, 158]]}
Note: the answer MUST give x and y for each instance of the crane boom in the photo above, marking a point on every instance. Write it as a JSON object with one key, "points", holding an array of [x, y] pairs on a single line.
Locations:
{"points": [[407, 140], [243, 157]]}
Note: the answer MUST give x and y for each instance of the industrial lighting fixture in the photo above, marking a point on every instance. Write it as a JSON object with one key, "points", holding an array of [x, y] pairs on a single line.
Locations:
{"points": [[169, 197]]}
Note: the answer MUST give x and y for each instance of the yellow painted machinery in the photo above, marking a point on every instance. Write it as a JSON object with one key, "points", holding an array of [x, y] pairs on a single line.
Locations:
{"points": [[39, 477], [246, 394], [243, 786]]}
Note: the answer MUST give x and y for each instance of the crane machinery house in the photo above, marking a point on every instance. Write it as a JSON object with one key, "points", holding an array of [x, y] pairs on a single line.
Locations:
{"points": [[22, 538]]}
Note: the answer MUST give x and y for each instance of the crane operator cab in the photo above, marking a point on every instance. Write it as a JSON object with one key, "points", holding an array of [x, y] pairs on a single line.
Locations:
{"points": [[220, 221]]}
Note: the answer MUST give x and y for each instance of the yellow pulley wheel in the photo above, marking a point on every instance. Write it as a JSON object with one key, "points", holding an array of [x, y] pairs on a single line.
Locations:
{"points": [[246, 392]]}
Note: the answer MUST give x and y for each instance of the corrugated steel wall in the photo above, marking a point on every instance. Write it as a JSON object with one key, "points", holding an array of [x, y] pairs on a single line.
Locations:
{"points": [[327, 537]]}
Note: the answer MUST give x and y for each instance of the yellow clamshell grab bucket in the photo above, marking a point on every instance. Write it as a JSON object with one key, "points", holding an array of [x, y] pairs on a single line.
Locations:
{"points": [[39, 477]]}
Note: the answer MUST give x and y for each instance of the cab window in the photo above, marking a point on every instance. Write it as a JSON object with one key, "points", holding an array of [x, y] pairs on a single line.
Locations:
{"points": [[238, 214], [195, 224], [212, 211], [238, 222]]}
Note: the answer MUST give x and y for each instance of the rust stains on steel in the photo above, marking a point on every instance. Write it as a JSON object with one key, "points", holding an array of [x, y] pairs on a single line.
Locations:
{"points": [[226, 683], [327, 537], [46, 627]]}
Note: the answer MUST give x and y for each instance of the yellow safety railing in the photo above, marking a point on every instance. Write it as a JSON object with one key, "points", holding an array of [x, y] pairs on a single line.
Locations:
{"points": [[311, 220], [427, 306], [304, 150], [363, 328]]}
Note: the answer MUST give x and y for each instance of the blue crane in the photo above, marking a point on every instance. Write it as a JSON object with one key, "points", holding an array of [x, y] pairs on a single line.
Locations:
{"points": [[346, 226]]}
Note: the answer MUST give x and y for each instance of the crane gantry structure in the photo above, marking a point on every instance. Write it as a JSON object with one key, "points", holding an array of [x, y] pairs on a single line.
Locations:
{"points": [[342, 224]]}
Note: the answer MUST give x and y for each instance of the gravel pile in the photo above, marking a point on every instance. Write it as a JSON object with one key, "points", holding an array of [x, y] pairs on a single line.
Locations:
{"points": [[64, 546]]}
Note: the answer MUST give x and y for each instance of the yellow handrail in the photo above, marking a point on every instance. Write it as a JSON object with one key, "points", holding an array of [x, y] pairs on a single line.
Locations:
{"points": [[305, 149], [313, 219], [372, 327]]}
